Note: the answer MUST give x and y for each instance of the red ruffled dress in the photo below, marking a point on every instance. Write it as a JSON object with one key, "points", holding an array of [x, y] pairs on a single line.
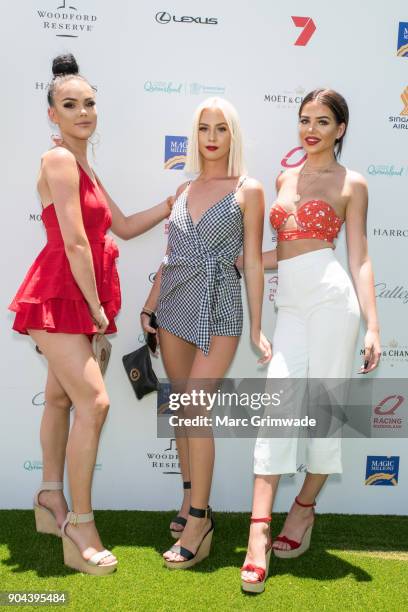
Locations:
{"points": [[49, 297]]}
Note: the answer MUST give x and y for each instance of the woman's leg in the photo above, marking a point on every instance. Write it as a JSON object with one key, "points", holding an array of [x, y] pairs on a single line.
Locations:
{"points": [[54, 435], [178, 370], [211, 368], [330, 360], [71, 359], [275, 456]]}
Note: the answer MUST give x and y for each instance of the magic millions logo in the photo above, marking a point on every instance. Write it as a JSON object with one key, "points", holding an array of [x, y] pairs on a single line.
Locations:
{"points": [[382, 471], [175, 152], [165, 460], [66, 20], [400, 122]]}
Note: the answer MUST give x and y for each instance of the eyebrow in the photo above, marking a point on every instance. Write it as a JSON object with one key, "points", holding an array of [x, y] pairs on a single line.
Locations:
{"points": [[76, 99], [307, 117], [206, 124]]}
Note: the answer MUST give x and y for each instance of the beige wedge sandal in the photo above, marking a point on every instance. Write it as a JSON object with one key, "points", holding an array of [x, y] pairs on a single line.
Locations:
{"points": [[72, 555], [45, 521]]}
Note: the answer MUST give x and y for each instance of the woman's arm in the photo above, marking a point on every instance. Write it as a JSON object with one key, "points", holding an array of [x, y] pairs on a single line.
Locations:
{"points": [[61, 174], [130, 226], [152, 299], [361, 268], [254, 206]]}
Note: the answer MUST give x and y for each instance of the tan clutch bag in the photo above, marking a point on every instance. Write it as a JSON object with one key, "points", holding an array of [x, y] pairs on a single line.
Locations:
{"points": [[102, 349]]}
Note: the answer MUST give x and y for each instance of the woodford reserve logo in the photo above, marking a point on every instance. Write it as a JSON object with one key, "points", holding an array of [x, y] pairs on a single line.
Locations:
{"points": [[65, 21]]}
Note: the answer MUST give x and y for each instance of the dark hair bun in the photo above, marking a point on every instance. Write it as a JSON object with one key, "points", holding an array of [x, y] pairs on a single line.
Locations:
{"points": [[64, 64]]}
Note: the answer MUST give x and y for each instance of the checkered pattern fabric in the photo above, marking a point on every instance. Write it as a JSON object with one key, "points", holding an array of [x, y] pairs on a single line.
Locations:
{"points": [[200, 292]]}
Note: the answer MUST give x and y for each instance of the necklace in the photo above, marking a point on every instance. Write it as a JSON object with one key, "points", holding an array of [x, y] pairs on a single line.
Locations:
{"points": [[315, 173]]}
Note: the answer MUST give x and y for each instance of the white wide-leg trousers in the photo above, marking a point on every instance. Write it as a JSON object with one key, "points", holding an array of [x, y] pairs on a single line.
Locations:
{"points": [[315, 338]]}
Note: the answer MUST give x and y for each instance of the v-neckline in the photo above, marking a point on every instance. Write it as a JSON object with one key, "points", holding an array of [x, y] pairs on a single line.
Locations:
{"points": [[94, 183], [187, 191]]}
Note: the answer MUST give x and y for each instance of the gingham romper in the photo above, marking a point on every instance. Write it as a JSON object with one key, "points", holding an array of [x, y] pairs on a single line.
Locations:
{"points": [[200, 292]]}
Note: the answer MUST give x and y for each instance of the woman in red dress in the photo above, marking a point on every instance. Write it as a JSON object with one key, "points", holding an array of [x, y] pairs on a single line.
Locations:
{"points": [[70, 293]]}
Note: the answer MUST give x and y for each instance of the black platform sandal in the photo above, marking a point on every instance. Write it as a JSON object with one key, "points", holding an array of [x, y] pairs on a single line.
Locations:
{"points": [[204, 548]]}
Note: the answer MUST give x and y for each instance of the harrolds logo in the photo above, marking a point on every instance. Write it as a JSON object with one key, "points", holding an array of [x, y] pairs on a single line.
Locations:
{"points": [[66, 21]]}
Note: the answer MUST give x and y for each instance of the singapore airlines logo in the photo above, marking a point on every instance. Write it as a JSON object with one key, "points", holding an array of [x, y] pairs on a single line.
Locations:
{"points": [[404, 98], [309, 29]]}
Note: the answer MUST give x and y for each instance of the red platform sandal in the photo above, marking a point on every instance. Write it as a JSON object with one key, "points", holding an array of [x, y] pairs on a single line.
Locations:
{"points": [[296, 548], [257, 585]]}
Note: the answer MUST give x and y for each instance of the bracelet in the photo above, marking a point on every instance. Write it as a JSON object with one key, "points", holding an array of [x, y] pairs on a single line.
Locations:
{"points": [[147, 312]]}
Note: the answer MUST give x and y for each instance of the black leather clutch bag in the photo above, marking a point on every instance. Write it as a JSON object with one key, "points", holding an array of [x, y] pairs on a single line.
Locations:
{"points": [[139, 369]]}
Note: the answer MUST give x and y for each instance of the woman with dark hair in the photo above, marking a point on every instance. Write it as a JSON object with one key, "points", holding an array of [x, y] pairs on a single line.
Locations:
{"points": [[70, 293], [318, 318]]}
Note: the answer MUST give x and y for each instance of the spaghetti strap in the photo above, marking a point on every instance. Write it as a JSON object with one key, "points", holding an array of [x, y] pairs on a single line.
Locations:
{"points": [[240, 183]]}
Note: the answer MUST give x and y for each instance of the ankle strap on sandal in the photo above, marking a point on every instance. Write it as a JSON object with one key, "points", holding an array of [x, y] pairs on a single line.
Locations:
{"points": [[187, 484], [266, 519], [75, 519], [305, 505], [47, 486], [200, 512]]}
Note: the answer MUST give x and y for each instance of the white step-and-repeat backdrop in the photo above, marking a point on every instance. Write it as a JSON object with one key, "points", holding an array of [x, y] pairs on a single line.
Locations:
{"points": [[152, 64]]}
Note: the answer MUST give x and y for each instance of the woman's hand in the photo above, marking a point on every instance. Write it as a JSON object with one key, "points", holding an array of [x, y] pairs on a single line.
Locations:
{"points": [[263, 345], [170, 202], [99, 318], [372, 351], [147, 328]]}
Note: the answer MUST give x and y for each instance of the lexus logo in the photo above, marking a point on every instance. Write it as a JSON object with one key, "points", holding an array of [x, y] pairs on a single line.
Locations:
{"points": [[164, 17]]}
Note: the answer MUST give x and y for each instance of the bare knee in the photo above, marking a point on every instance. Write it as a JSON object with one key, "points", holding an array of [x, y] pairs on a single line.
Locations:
{"points": [[57, 400], [94, 413]]}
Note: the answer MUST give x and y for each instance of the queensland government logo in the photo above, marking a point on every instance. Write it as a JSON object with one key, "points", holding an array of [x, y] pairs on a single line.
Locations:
{"points": [[402, 45], [382, 470], [273, 287], [192, 89], [309, 28], [65, 21], [385, 413], [164, 17], [384, 170], [286, 99], [400, 122], [175, 151]]}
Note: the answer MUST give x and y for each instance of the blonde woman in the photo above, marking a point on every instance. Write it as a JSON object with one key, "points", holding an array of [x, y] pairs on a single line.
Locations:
{"points": [[197, 295]]}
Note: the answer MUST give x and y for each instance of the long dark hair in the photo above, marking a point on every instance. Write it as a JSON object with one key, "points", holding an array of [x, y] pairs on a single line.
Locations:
{"points": [[337, 105]]}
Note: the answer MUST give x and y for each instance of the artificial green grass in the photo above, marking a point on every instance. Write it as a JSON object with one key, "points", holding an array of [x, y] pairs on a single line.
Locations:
{"points": [[355, 563]]}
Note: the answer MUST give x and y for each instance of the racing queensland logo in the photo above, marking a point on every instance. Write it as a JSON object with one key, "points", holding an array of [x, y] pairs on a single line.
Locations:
{"points": [[175, 151], [402, 45], [163, 17], [66, 20], [382, 471], [386, 414], [294, 158]]}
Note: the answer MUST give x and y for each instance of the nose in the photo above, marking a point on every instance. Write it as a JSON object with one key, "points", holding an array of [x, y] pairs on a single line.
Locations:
{"points": [[83, 111], [212, 134]]}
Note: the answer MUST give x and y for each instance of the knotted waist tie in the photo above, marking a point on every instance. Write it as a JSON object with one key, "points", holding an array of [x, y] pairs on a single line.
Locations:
{"points": [[215, 269]]}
